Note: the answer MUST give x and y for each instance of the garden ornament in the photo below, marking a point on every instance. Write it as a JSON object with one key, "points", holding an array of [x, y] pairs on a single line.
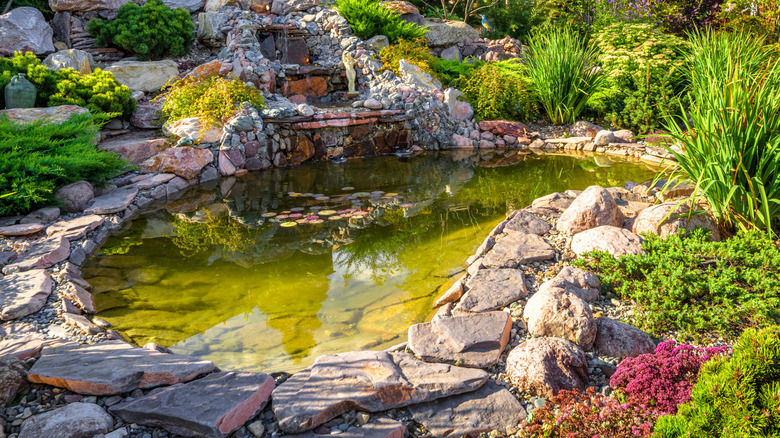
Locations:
{"points": [[184, 141], [485, 23], [349, 66], [20, 93]]}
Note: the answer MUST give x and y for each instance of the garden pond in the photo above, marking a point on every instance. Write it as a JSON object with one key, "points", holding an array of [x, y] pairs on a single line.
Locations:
{"points": [[272, 269]]}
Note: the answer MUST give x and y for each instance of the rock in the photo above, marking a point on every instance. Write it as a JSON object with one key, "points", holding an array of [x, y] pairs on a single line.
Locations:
{"points": [[555, 312], [86, 5], [111, 368], [411, 74], [281, 7], [226, 167], [83, 299], [22, 348], [146, 76], [21, 229], [554, 201], [114, 201], [489, 408], [461, 142], [184, 161], [475, 340], [451, 53], [135, 147], [516, 249], [190, 5], [372, 381], [452, 294], [669, 218], [604, 138], [544, 366], [525, 222], [443, 33], [213, 5], [146, 115], [24, 29], [13, 376], [372, 104], [625, 135], [76, 59], [192, 128], [75, 228], [41, 215], [618, 339], [43, 254], [381, 428], [54, 114], [377, 43], [75, 196], [593, 208], [491, 289], [209, 25], [215, 405], [614, 240], [504, 127], [463, 111], [74, 420], [584, 284], [585, 129], [80, 322]]}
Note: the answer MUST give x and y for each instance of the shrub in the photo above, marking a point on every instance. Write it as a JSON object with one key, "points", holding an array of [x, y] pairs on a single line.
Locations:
{"points": [[499, 90], [662, 380], [559, 66], [41, 5], [415, 52], [151, 31], [98, 91], [213, 100], [736, 396], [683, 16], [697, 287], [572, 414], [36, 159], [516, 18], [608, 12], [450, 70], [731, 143], [368, 19]]}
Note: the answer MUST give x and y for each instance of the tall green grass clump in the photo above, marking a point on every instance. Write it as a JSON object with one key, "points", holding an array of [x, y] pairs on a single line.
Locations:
{"points": [[368, 19], [561, 68], [36, 159], [730, 146]]}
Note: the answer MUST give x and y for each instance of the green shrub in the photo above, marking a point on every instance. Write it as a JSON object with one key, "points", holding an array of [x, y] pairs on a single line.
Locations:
{"points": [[415, 52], [732, 142], [36, 159], [213, 99], [151, 31], [499, 90], [735, 397], [695, 286], [450, 70], [368, 19], [41, 5], [98, 91], [563, 76]]}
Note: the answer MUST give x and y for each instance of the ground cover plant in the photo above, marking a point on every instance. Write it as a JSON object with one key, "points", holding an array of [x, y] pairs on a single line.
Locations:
{"points": [[98, 91], [696, 287], [36, 159], [499, 90], [368, 18], [450, 70], [152, 31]]}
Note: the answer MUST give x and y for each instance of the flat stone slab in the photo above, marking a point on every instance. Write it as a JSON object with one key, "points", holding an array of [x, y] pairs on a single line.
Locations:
{"points": [[213, 406], [114, 201], [23, 348], [372, 381], [380, 428], [614, 240], [75, 228], [71, 421], [475, 340], [112, 368], [43, 254], [517, 249], [154, 181], [491, 289], [21, 229], [24, 293], [489, 408], [525, 222], [80, 296]]}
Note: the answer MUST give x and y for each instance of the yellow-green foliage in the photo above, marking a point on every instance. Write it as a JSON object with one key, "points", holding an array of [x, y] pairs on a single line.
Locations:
{"points": [[212, 100], [499, 90], [415, 52]]}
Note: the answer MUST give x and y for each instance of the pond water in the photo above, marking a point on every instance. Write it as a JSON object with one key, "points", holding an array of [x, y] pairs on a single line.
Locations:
{"points": [[272, 269]]}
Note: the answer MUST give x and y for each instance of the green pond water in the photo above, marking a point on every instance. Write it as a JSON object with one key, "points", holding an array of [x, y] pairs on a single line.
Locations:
{"points": [[272, 269]]}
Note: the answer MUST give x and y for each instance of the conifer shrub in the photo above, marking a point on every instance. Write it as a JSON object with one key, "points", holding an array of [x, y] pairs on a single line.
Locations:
{"points": [[499, 90], [450, 70], [368, 18], [737, 396], [152, 31]]}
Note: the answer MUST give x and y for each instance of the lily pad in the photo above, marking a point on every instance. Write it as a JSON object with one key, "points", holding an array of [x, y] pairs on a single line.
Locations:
{"points": [[288, 224], [269, 214], [327, 212]]}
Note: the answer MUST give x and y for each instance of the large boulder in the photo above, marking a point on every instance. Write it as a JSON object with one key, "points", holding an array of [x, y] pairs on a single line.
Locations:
{"points": [[13, 376], [614, 240], [192, 128], [544, 366], [75, 420], [24, 29], [443, 33], [86, 5], [516, 249], [75, 196], [592, 208], [580, 282], [555, 312], [187, 162], [411, 74], [189, 5], [526, 222], [146, 76], [618, 339], [135, 147], [53, 115], [670, 217], [76, 59], [115, 201]]}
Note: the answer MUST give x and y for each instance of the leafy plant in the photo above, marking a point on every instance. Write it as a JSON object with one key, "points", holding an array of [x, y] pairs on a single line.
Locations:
{"points": [[696, 287], [730, 146], [736, 396], [450, 70], [683, 16], [499, 90], [368, 18], [415, 52], [516, 18], [608, 12], [151, 31], [563, 76], [213, 100], [36, 159]]}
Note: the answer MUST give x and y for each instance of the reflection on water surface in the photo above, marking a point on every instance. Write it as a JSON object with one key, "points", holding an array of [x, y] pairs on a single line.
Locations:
{"points": [[270, 270]]}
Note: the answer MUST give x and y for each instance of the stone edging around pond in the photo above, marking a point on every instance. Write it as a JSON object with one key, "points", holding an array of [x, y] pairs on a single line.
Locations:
{"points": [[469, 334]]}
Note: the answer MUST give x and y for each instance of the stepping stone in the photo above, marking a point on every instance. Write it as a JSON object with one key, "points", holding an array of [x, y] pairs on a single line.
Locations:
{"points": [[114, 201], [614, 240], [75, 420], [544, 366], [518, 249], [154, 181], [24, 293], [43, 254], [491, 289], [525, 222], [75, 229], [80, 296], [489, 408], [111, 368], [475, 340], [213, 406], [381, 428], [372, 381], [7, 257], [23, 348], [21, 229]]}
